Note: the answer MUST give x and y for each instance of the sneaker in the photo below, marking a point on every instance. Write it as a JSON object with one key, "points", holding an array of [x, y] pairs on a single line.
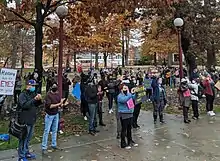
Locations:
{"points": [[61, 132], [187, 121], [128, 147], [194, 118], [102, 124], [55, 148], [96, 131], [85, 118], [31, 156], [22, 159], [212, 113], [134, 144], [209, 113], [92, 133], [110, 111]]}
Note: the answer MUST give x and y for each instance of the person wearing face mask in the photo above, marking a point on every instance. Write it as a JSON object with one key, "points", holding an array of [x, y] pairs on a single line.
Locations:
{"points": [[194, 89], [28, 102], [126, 116], [209, 91], [52, 104], [158, 99]]}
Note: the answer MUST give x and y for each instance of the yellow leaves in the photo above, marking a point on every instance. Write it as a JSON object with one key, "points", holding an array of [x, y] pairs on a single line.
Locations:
{"points": [[164, 44]]}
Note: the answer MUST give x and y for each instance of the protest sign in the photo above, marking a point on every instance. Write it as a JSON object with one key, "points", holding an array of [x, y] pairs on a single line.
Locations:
{"points": [[7, 81], [217, 85], [76, 91], [147, 83], [141, 94]]}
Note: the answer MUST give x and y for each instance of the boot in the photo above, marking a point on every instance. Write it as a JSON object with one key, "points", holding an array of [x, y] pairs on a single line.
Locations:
{"points": [[100, 120], [161, 119], [155, 118]]}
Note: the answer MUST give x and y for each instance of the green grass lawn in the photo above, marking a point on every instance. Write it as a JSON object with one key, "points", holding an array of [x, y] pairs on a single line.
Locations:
{"points": [[74, 124]]}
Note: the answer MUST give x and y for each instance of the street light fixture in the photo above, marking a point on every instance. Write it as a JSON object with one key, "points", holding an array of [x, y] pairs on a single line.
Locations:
{"points": [[61, 12], [178, 22]]}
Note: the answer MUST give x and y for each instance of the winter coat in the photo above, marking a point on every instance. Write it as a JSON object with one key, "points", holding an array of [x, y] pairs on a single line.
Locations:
{"points": [[27, 107], [122, 102]]}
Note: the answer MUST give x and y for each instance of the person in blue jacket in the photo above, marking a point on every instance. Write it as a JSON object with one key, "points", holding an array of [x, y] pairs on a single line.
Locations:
{"points": [[126, 116], [158, 99]]}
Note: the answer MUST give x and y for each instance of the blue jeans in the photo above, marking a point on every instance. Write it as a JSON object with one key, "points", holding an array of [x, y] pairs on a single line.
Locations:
{"points": [[23, 147], [51, 122], [92, 116]]}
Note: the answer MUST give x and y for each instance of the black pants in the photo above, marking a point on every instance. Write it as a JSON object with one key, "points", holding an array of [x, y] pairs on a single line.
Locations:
{"points": [[158, 109], [209, 102], [195, 108], [167, 81], [65, 94], [100, 111], [84, 107], [149, 93], [111, 97], [136, 113], [16, 95], [126, 131], [185, 113]]}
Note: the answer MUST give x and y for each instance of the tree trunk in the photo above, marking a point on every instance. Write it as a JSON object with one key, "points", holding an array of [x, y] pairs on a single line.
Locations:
{"points": [[74, 59], [211, 58], [189, 57], [96, 60], [127, 47], [105, 57], [14, 47], [54, 59], [38, 40], [123, 48], [155, 58]]}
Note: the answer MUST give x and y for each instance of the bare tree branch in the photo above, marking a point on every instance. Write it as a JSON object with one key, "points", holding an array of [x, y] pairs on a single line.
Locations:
{"points": [[48, 26], [21, 17]]}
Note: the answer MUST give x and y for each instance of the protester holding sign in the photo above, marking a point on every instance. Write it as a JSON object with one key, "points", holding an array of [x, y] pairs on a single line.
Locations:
{"points": [[126, 109]]}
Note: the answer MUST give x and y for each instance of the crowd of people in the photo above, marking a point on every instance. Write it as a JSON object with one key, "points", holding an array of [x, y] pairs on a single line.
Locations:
{"points": [[120, 89]]}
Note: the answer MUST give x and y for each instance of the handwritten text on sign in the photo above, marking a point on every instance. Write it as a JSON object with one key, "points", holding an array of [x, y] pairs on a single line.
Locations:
{"points": [[141, 95], [7, 81]]}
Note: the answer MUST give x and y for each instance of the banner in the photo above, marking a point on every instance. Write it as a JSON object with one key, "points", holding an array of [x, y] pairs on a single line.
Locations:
{"points": [[147, 83], [76, 91], [7, 81], [141, 95]]}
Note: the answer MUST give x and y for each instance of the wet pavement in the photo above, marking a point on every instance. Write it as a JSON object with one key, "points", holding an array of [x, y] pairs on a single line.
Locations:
{"points": [[199, 141]]}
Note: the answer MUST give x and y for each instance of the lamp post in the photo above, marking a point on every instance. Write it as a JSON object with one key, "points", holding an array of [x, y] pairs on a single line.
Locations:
{"points": [[61, 12], [178, 22]]}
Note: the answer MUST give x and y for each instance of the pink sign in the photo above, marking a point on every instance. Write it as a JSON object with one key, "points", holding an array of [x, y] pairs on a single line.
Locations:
{"points": [[186, 93], [130, 103]]}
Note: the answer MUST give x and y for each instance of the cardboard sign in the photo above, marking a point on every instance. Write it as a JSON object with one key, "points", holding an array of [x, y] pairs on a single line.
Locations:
{"points": [[147, 83], [7, 81], [217, 85], [141, 94]]}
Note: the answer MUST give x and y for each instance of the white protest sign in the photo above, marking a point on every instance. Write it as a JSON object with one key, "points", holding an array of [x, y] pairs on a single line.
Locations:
{"points": [[7, 81]]}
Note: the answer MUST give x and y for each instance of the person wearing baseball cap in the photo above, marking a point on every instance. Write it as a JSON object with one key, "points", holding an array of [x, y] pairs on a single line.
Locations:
{"points": [[28, 102]]}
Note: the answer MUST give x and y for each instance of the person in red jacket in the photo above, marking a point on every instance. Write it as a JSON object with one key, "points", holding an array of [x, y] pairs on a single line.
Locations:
{"points": [[209, 91]]}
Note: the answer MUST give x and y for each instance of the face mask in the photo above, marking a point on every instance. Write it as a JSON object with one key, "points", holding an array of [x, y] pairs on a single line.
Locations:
{"points": [[125, 92], [32, 89], [160, 81], [54, 89]]}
